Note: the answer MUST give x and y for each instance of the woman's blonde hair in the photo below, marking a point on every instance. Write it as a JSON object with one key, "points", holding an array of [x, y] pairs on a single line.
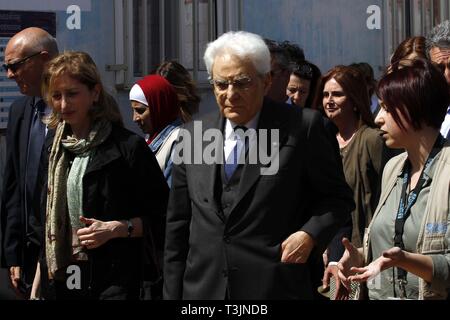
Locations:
{"points": [[80, 66]]}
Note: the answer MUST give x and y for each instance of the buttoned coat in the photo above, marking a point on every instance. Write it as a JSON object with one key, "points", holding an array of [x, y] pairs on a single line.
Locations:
{"points": [[209, 255]]}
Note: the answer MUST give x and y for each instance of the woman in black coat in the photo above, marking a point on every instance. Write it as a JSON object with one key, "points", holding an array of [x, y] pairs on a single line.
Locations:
{"points": [[106, 198]]}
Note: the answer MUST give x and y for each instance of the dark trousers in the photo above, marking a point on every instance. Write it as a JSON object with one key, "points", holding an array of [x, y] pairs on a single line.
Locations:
{"points": [[64, 289], [28, 267]]}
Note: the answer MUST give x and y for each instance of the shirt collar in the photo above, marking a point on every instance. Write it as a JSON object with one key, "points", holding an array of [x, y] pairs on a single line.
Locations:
{"points": [[229, 125], [428, 172]]}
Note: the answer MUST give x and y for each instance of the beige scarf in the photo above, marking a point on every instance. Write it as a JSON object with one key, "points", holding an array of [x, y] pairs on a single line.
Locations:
{"points": [[58, 229]]}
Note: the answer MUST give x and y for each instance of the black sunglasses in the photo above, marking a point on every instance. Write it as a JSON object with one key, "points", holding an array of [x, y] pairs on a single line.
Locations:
{"points": [[14, 66]]}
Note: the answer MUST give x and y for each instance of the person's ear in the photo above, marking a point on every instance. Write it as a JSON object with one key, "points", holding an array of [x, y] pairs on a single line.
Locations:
{"points": [[96, 90], [45, 56]]}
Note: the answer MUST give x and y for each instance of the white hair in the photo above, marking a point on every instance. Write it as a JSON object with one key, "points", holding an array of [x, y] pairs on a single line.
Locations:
{"points": [[438, 37], [244, 45]]}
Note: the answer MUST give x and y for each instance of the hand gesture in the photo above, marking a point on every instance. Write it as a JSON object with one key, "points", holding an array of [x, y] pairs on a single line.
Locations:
{"points": [[387, 260], [352, 257]]}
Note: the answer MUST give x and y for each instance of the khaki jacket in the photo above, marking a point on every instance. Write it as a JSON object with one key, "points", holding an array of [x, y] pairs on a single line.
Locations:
{"points": [[436, 214]]}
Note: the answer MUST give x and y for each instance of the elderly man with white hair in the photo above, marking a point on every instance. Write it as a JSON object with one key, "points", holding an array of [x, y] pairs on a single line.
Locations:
{"points": [[233, 230], [438, 51]]}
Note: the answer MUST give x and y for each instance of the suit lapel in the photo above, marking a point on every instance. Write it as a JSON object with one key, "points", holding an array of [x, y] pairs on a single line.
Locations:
{"points": [[269, 119], [209, 172], [25, 132], [48, 142]]}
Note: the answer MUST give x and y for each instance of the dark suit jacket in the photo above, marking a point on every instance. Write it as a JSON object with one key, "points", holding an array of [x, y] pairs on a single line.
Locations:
{"points": [[208, 255], [20, 221]]}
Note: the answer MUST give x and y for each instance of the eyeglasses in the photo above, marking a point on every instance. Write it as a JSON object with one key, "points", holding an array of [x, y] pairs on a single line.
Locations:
{"points": [[14, 66], [242, 83]]}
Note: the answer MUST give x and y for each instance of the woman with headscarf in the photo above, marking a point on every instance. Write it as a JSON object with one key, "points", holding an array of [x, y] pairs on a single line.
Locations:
{"points": [[156, 111]]}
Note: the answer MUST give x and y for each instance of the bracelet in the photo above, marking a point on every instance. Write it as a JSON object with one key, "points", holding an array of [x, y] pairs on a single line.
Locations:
{"points": [[130, 228], [333, 263]]}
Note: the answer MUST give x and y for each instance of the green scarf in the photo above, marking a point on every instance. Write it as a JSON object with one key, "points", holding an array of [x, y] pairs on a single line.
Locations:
{"points": [[58, 229]]}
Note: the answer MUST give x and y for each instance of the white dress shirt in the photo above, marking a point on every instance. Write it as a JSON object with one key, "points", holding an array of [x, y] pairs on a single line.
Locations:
{"points": [[232, 138], [445, 128]]}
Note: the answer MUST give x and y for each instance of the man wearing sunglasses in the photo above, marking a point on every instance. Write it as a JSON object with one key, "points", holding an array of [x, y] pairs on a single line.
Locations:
{"points": [[26, 55]]}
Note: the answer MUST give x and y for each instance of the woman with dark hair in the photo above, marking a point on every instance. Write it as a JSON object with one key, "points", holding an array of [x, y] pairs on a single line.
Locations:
{"points": [[346, 103], [371, 83], [96, 221], [406, 247], [410, 49], [303, 83], [184, 86]]}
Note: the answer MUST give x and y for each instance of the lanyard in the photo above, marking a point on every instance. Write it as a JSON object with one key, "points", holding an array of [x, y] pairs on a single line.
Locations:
{"points": [[406, 203]]}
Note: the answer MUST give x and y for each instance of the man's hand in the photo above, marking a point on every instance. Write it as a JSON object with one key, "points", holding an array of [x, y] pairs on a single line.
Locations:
{"points": [[297, 248], [14, 277]]}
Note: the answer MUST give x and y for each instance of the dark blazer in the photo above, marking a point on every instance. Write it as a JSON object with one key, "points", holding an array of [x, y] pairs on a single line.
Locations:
{"points": [[209, 256], [123, 180], [20, 227]]}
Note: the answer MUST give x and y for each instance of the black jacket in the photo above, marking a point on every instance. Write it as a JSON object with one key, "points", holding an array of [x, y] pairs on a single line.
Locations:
{"points": [[20, 223], [209, 255], [123, 180]]}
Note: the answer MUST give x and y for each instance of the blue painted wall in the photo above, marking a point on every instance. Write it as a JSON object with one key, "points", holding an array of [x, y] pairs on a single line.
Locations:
{"points": [[331, 32], [96, 37]]}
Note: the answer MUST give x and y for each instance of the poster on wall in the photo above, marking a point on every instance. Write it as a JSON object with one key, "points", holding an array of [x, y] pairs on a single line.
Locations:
{"points": [[12, 22]]}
